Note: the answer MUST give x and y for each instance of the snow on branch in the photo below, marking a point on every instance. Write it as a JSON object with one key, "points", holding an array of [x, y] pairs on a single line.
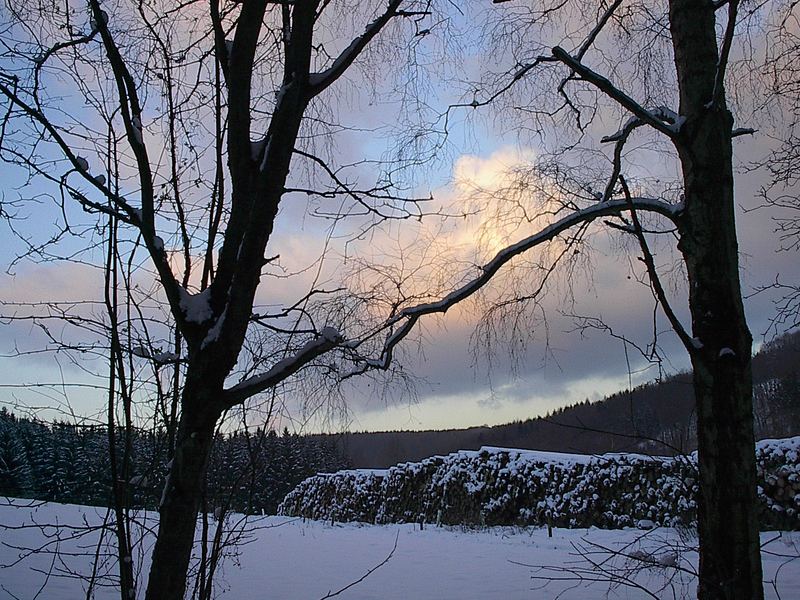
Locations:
{"points": [[319, 81], [130, 108], [603, 209], [118, 208], [652, 118], [327, 339], [623, 132], [545, 235], [158, 357], [196, 308], [673, 120]]}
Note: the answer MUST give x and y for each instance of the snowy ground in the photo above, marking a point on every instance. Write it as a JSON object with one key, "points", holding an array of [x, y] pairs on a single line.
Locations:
{"points": [[287, 558]]}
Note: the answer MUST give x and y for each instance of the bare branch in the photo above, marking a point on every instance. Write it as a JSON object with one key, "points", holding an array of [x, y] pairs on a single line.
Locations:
{"points": [[740, 131], [131, 111], [379, 193], [130, 214], [613, 92], [598, 28], [722, 63], [367, 574], [620, 137], [584, 216], [652, 273]]}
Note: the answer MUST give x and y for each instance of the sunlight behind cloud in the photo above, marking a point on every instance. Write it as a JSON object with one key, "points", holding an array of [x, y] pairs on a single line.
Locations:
{"points": [[492, 173]]}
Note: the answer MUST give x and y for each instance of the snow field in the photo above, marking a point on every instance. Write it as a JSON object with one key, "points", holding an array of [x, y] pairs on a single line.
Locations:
{"points": [[284, 558]]}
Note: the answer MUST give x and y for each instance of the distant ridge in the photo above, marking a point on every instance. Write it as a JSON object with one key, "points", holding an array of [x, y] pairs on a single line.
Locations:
{"points": [[654, 418]]}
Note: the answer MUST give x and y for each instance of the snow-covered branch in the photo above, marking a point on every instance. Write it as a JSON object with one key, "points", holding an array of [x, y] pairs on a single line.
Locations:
{"points": [[328, 338], [128, 97], [130, 108], [409, 316], [652, 118], [123, 211], [317, 82]]}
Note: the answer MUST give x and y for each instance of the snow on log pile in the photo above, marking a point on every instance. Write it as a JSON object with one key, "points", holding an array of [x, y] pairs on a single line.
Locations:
{"points": [[501, 486]]}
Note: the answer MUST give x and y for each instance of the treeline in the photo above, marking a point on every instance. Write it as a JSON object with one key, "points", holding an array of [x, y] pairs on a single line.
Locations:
{"points": [[655, 418], [64, 462], [252, 472]]}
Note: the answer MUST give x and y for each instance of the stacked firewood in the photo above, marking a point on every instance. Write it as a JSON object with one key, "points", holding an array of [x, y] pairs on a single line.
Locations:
{"points": [[499, 486]]}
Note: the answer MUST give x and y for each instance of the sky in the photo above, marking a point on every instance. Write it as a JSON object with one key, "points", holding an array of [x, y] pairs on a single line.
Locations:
{"points": [[563, 364], [457, 380]]}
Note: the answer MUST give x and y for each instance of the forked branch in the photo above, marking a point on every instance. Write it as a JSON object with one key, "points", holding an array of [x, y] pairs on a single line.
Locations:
{"points": [[318, 82], [616, 94], [283, 369]]}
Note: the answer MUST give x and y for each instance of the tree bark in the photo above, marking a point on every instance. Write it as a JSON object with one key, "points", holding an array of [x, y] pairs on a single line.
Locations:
{"points": [[183, 492], [730, 559]]}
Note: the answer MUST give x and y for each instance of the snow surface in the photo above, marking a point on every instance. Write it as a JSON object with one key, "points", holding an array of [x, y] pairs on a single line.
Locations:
{"points": [[537, 455], [213, 333], [288, 558], [196, 307]]}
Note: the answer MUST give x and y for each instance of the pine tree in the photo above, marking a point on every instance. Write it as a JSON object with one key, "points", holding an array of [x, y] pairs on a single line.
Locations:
{"points": [[14, 465]]}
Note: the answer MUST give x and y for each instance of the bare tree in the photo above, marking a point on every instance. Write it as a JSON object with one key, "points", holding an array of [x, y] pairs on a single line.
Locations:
{"points": [[236, 92], [697, 37], [287, 47]]}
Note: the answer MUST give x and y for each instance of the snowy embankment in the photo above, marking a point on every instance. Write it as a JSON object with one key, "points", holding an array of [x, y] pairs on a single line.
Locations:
{"points": [[501, 486], [292, 559]]}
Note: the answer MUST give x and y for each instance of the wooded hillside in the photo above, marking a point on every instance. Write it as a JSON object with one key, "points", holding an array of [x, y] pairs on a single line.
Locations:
{"points": [[655, 418]]}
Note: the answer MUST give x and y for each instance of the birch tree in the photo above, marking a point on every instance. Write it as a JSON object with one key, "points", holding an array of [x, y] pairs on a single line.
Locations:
{"points": [[564, 87], [192, 120]]}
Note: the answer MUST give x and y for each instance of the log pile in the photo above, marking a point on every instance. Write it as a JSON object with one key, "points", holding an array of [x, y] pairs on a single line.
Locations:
{"points": [[778, 471], [501, 486]]}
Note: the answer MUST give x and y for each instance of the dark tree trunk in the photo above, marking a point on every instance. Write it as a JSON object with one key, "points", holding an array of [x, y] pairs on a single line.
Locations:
{"points": [[256, 193], [730, 560], [183, 492]]}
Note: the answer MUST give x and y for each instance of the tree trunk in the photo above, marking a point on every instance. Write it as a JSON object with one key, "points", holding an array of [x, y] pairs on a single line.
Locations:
{"points": [[183, 492], [730, 560]]}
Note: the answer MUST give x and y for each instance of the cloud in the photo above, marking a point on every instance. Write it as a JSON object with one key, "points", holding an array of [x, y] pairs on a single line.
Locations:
{"points": [[478, 407], [563, 363], [460, 384], [492, 173], [60, 281], [548, 365]]}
